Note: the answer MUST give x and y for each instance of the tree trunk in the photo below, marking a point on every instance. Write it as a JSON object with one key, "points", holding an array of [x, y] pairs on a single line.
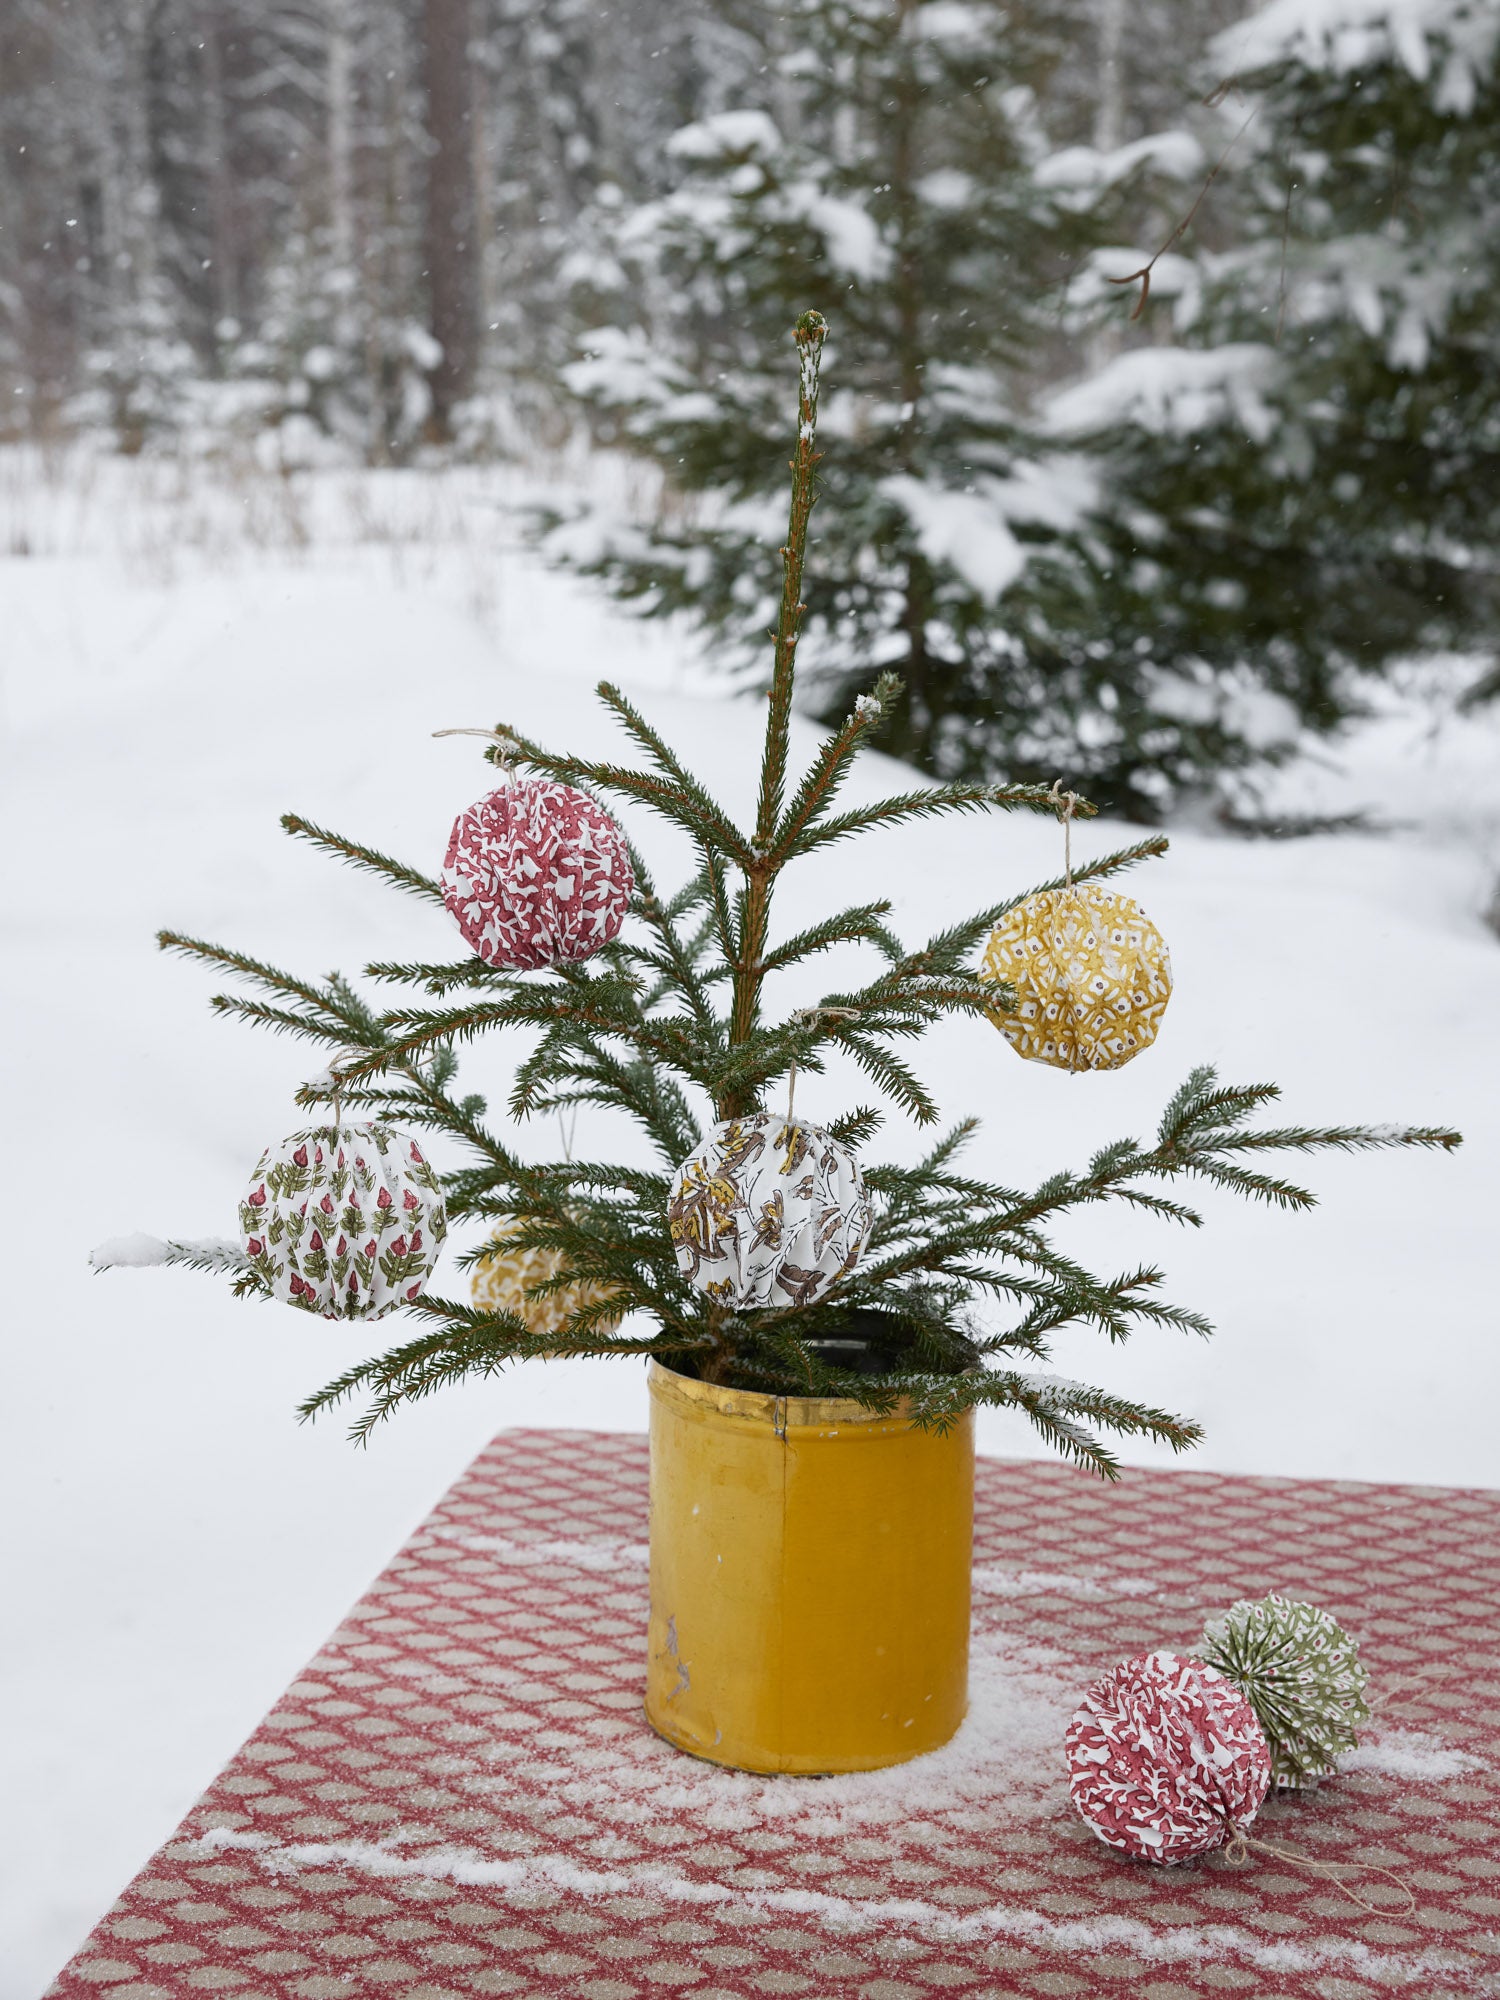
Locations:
{"points": [[909, 733], [340, 56], [450, 249], [1109, 108]]}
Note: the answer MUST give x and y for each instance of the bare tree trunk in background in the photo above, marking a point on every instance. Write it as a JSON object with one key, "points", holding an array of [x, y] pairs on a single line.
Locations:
{"points": [[223, 287], [341, 133], [1109, 132], [1109, 110], [450, 249]]}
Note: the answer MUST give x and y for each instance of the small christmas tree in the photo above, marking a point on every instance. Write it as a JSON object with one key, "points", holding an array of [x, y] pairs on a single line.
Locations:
{"points": [[669, 1018]]}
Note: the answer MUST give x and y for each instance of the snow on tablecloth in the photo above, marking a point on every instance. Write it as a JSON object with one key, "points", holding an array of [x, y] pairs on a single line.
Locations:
{"points": [[460, 1797]]}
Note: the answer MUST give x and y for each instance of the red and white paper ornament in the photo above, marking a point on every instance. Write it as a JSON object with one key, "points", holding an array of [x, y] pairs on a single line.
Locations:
{"points": [[344, 1220], [537, 874], [1166, 1759], [768, 1212]]}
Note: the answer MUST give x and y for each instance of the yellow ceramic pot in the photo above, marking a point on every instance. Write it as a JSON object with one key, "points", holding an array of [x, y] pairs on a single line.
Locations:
{"points": [[809, 1579]]}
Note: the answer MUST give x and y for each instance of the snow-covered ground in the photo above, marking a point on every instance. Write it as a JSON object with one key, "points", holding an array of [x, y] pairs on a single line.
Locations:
{"points": [[184, 658]]}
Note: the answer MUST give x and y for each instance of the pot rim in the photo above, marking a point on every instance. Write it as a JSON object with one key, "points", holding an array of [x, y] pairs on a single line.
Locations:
{"points": [[779, 1413]]}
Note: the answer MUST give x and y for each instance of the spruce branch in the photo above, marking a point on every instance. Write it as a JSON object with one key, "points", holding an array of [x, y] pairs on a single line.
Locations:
{"points": [[684, 806], [729, 838], [809, 334], [933, 802], [368, 858], [826, 774], [248, 968]]}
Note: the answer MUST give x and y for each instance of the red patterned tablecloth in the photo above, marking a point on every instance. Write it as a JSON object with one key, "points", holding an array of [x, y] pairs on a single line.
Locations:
{"points": [[460, 1796]]}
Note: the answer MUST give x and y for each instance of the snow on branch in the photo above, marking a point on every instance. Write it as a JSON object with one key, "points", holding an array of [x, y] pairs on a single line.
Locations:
{"points": [[141, 1252]]}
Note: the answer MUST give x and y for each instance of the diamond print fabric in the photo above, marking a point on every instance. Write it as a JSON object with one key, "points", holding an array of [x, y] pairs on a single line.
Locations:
{"points": [[459, 1798], [1092, 977]]}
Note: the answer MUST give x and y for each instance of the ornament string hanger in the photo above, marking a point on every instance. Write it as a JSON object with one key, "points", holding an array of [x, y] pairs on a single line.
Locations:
{"points": [[805, 1017], [1241, 1845], [330, 1083], [1066, 804], [508, 747]]}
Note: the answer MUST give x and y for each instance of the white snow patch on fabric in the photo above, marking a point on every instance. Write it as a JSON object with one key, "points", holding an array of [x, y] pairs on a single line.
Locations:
{"points": [[1176, 1944], [1006, 1756], [603, 1554], [991, 1581], [1407, 1753]]}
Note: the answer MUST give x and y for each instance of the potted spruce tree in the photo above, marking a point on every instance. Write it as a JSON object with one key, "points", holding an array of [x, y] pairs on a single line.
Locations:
{"points": [[819, 1328]]}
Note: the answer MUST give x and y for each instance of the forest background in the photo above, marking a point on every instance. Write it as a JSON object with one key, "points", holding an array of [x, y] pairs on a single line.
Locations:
{"points": [[1150, 502]]}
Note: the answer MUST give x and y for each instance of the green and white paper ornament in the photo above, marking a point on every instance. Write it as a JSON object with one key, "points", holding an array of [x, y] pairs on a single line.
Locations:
{"points": [[1301, 1673], [344, 1220]]}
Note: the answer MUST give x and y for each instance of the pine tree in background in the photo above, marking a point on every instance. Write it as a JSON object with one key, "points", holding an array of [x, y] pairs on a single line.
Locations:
{"points": [[960, 1283], [914, 194], [1306, 489]]}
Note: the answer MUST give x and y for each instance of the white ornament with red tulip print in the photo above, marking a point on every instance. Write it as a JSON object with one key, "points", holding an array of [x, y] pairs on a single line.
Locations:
{"points": [[344, 1221], [537, 874]]}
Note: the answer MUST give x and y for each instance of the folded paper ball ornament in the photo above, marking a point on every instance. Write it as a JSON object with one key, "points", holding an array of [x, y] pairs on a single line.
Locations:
{"points": [[502, 1282], [344, 1221], [1091, 973], [768, 1212], [1301, 1673], [536, 874], [1166, 1759]]}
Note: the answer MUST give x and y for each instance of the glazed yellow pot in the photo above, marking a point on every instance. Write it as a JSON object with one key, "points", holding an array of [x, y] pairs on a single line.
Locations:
{"points": [[809, 1579]]}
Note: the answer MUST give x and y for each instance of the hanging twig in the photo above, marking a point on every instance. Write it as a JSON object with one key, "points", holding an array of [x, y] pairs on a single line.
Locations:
{"points": [[1142, 277]]}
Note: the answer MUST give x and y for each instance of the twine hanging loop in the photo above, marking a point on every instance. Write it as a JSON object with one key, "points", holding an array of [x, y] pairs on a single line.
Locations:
{"points": [[508, 746], [1240, 1846], [805, 1017], [1066, 804]]}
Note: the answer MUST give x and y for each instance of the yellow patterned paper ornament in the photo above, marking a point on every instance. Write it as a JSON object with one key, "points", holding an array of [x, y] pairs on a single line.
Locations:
{"points": [[504, 1274], [1092, 977]]}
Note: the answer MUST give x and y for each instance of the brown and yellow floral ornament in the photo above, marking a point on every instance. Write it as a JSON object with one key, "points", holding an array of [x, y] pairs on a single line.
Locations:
{"points": [[768, 1212]]}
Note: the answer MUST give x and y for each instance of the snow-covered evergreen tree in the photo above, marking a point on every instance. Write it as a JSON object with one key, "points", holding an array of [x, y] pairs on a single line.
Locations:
{"points": [[1306, 485], [898, 176]]}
